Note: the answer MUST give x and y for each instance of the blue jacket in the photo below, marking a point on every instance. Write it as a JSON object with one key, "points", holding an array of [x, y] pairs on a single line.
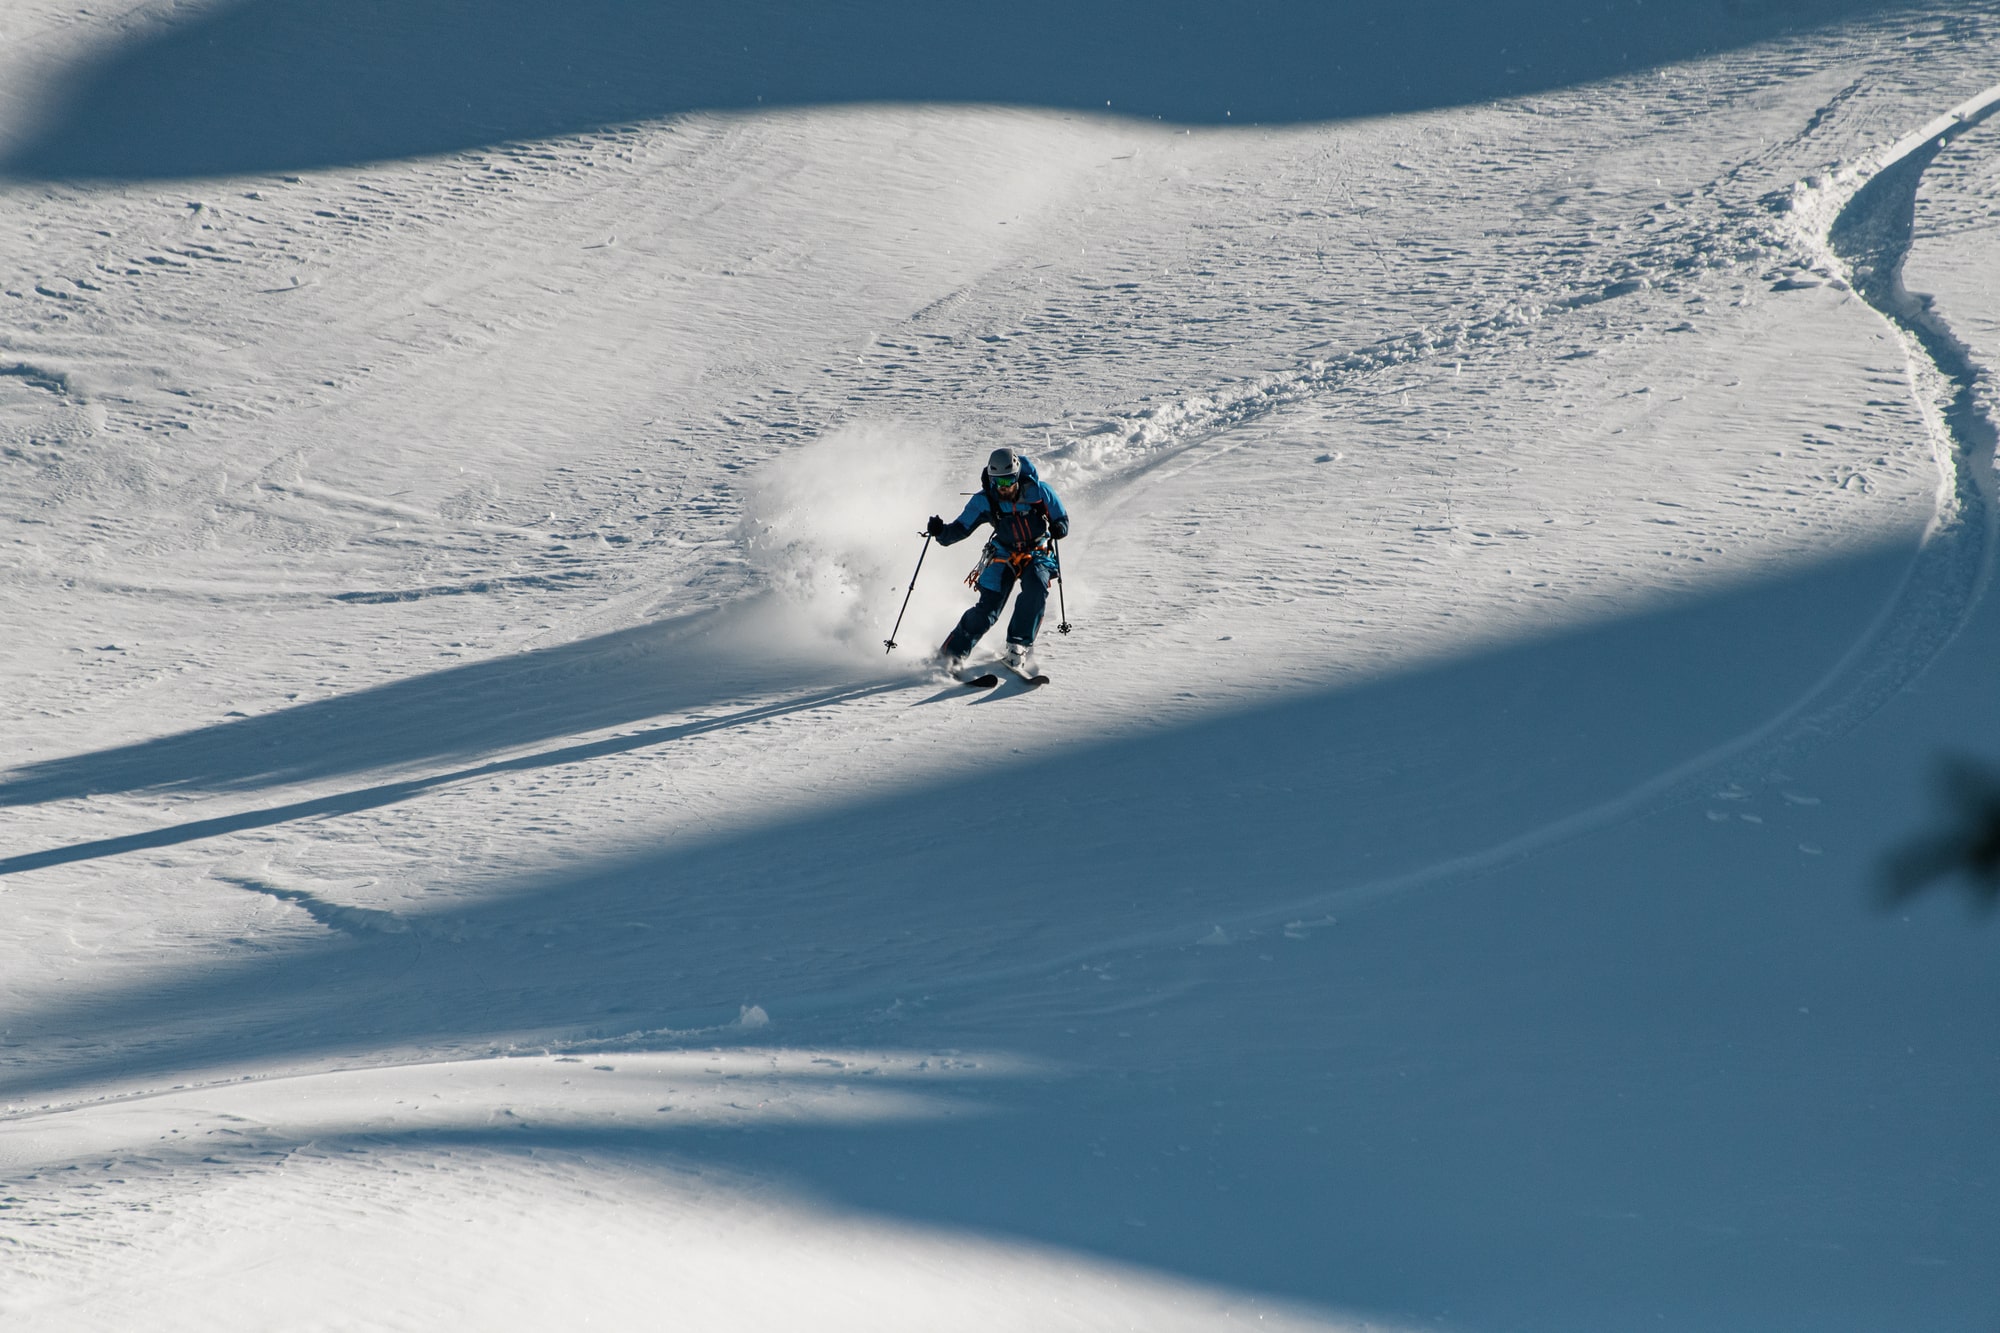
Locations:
{"points": [[1022, 524]]}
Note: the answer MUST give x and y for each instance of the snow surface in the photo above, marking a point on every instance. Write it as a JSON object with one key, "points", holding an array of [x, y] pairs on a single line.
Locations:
{"points": [[468, 860]]}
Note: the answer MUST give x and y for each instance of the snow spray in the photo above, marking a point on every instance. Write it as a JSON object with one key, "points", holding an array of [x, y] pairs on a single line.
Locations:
{"points": [[831, 526]]}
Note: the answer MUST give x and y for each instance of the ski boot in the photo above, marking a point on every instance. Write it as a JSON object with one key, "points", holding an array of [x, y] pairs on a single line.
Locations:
{"points": [[947, 663]]}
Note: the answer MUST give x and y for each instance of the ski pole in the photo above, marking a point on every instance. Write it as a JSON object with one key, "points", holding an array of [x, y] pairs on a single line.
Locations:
{"points": [[890, 642], [1062, 604]]}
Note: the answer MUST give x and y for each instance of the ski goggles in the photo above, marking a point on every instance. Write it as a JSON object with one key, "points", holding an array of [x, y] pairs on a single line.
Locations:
{"points": [[1012, 483]]}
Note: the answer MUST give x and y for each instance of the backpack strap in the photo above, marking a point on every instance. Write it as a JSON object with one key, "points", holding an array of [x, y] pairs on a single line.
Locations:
{"points": [[1020, 525]]}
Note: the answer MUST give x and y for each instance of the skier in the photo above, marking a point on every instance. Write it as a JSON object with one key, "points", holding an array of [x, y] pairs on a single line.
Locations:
{"points": [[1025, 515]]}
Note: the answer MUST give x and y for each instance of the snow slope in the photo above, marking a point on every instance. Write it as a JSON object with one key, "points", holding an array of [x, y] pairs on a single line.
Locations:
{"points": [[467, 856]]}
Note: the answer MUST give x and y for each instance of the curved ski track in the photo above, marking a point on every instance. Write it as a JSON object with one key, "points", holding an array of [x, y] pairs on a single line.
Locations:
{"points": [[1853, 226], [1938, 592], [1942, 586]]}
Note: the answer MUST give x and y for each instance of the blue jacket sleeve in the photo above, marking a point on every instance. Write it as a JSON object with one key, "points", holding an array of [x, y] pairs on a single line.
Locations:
{"points": [[1058, 516], [961, 527]]}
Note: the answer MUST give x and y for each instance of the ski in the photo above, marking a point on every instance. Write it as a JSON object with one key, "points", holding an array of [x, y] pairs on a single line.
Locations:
{"points": [[982, 682], [1038, 678]]}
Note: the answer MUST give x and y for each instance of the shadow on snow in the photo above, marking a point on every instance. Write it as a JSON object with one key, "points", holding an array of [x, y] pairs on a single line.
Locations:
{"points": [[463, 713], [1589, 1088], [290, 85], [1071, 846]]}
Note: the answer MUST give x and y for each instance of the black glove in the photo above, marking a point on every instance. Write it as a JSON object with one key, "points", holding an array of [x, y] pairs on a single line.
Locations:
{"points": [[934, 528], [1059, 528]]}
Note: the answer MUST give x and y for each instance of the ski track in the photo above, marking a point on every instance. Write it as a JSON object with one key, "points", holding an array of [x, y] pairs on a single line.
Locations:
{"points": [[1693, 236], [1945, 579], [1724, 227], [1706, 231]]}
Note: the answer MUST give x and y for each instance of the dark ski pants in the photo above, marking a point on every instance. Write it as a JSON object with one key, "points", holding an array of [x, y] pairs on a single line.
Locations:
{"points": [[979, 617]]}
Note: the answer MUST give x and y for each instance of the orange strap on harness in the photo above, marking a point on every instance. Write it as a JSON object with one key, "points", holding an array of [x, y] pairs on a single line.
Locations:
{"points": [[1018, 561]]}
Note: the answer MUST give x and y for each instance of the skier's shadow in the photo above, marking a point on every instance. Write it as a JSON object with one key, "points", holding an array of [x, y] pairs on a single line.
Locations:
{"points": [[949, 694], [393, 793], [1010, 687], [460, 716]]}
